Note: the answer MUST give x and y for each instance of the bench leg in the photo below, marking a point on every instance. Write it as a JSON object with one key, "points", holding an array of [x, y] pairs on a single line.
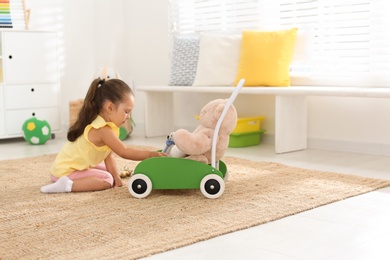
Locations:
{"points": [[290, 123], [158, 114]]}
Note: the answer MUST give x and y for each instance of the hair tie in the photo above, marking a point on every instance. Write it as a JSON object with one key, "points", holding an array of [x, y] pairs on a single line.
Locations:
{"points": [[101, 82]]}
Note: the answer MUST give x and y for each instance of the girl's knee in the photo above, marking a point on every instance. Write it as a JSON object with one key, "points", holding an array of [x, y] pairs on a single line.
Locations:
{"points": [[110, 180]]}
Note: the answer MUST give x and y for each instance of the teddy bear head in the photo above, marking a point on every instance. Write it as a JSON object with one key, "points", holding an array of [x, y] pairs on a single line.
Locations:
{"points": [[211, 112]]}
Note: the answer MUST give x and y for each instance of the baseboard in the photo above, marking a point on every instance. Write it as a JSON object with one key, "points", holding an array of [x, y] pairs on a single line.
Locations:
{"points": [[339, 145], [349, 146]]}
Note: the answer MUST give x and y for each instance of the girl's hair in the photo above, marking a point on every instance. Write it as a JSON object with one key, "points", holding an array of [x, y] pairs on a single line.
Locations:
{"points": [[100, 90]]}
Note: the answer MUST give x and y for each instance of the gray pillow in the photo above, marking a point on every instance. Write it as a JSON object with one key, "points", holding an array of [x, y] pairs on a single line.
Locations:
{"points": [[184, 60]]}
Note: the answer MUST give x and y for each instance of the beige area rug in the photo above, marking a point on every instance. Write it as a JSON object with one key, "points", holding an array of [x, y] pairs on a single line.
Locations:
{"points": [[113, 225]]}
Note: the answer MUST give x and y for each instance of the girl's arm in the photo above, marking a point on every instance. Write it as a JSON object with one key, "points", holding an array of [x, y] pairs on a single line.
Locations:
{"points": [[111, 168], [108, 137]]}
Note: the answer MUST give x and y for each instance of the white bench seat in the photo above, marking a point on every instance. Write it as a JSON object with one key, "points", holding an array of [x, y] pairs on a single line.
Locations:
{"points": [[290, 108]]}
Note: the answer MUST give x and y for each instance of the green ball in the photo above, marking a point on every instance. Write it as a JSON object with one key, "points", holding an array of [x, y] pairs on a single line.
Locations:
{"points": [[36, 131]]}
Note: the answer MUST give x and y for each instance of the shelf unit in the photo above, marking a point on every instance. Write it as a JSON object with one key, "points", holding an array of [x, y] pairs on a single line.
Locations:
{"points": [[29, 80]]}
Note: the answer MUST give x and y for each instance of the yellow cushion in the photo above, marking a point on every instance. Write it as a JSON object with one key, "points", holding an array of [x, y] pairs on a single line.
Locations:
{"points": [[265, 57]]}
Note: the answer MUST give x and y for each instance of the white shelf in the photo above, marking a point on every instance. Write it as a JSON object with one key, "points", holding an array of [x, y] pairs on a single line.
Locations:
{"points": [[381, 92], [29, 80]]}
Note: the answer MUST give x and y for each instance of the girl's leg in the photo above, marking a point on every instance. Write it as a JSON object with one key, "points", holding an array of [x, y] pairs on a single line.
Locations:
{"points": [[90, 184], [94, 179]]}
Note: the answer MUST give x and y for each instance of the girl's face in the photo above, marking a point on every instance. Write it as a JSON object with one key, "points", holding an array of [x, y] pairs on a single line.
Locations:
{"points": [[121, 112]]}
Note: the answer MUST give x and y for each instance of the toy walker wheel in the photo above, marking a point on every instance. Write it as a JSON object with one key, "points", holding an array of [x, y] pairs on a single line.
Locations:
{"points": [[212, 186], [140, 186]]}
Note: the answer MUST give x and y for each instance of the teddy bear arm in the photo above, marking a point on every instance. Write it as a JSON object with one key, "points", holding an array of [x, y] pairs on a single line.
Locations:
{"points": [[193, 143]]}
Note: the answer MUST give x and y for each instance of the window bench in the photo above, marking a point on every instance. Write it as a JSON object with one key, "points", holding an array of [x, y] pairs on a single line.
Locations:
{"points": [[290, 108]]}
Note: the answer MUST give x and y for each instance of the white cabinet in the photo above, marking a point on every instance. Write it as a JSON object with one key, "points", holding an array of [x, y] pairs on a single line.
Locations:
{"points": [[2, 118], [29, 80]]}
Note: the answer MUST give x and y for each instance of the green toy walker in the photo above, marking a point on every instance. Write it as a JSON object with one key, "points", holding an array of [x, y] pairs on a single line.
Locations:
{"points": [[161, 173]]}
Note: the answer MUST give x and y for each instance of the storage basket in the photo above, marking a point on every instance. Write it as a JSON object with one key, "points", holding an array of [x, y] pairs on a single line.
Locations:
{"points": [[248, 124], [245, 139]]}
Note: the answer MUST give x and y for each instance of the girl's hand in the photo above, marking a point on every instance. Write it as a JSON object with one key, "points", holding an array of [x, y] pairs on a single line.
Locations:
{"points": [[157, 154], [117, 181]]}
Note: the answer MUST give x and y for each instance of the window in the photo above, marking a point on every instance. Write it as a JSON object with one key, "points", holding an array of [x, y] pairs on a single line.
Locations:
{"points": [[340, 42]]}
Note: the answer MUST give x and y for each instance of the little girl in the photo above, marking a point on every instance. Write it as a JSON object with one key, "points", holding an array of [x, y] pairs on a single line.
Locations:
{"points": [[94, 138]]}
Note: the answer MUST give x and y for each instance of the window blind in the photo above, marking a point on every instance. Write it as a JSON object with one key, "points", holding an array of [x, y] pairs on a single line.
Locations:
{"points": [[193, 16], [340, 42]]}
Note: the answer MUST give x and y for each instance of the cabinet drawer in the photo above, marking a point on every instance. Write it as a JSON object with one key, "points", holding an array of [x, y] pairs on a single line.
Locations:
{"points": [[30, 57], [31, 96], [2, 118], [16, 118]]}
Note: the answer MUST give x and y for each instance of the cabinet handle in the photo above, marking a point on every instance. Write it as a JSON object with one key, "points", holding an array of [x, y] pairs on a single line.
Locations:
{"points": [[33, 114], [32, 90], [10, 56]]}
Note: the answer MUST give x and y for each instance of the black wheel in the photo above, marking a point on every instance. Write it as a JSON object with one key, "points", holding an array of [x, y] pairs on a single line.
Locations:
{"points": [[212, 186], [140, 186]]}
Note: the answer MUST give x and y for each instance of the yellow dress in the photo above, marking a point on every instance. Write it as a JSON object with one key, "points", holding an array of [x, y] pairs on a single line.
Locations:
{"points": [[82, 154]]}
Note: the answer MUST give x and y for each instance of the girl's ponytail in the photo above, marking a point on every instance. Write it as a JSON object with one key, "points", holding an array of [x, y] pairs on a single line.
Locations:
{"points": [[87, 113], [100, 90]]}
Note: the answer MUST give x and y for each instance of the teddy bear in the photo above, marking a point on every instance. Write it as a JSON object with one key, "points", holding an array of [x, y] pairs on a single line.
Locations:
{"points": [[197, 145]]}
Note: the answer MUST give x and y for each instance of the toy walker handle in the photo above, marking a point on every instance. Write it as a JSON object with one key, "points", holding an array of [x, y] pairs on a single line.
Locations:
{"points": [[220, 119]]}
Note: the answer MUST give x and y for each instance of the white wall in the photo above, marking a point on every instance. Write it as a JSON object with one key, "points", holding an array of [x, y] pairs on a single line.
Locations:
{"points": [[350, 124], [91, 36], [128, 35], [75, 22], [146, 47], [132, 37]]}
